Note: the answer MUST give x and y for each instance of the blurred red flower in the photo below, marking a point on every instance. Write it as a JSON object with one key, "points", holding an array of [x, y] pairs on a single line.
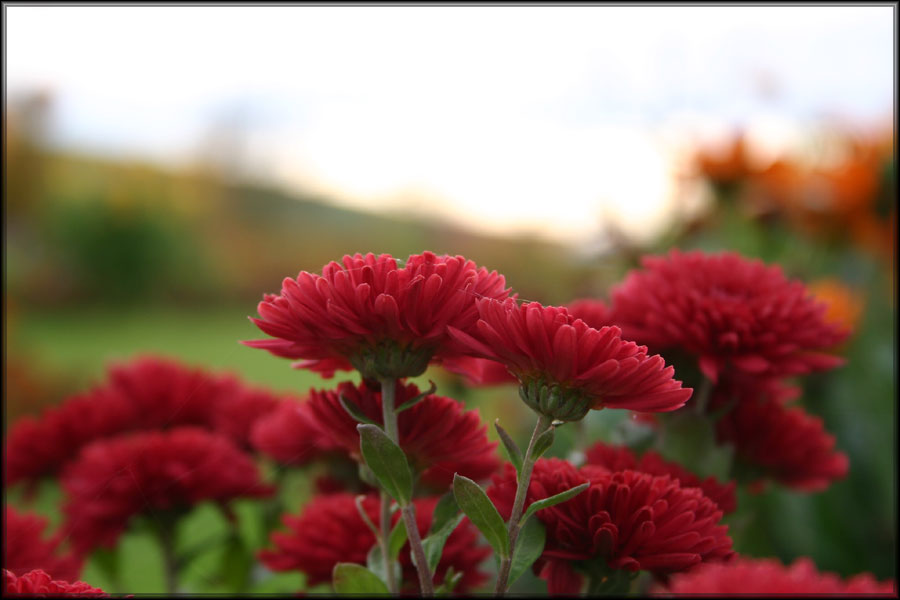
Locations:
{"points": [[370, 314], [39, 583], [621, 458], [116, 479], [37, 447], [630, 520], [593, 312], [564, 366], [729, 312], [438, 436], [290, 435], [781, 442], [148, 392], [24, 549], [330, 530], [767, 576]]}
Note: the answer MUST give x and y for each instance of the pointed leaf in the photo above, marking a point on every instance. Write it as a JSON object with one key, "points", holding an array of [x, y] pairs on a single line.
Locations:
{"points": [[554, 500], [543, 443], [483, 514], [397, 539], [387, 462], [512, 450], [354, 411], [434, 543], [417, 399], [529, 546], [351, 578]]}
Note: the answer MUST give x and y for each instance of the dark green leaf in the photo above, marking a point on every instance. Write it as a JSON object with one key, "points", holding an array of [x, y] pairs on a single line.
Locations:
{"points": [[512, 450], [387, 462], [478, 507], [529, 546], [351, 578], [417, 399], [554, 500], [354, 411]]}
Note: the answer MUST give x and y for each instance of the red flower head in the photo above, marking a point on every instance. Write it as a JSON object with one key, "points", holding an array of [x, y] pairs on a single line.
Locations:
{"points": [[727, 311], [625, 520], [437, 435], [117, 479], [330, 530], [565, 367], [384, 320], [145, 393], [166, 393], [25, 551], [779, 442], [38, 583], [620, 458], [290, 435], [768, 577], [39, 447]]}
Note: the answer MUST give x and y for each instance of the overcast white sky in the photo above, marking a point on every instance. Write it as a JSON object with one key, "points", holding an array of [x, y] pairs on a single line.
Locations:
{"points": [[507, 118]]}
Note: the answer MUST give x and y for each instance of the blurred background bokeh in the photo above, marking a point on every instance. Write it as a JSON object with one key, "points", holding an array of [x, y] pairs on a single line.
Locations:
{"points": [[166, 166]]}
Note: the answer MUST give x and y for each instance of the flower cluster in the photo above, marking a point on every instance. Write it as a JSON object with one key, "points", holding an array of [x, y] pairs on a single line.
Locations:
{"points": [[157, 437]]}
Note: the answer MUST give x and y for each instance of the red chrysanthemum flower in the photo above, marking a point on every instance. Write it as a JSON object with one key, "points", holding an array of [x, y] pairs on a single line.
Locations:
{"points": [[621, 458], [39, 447], [479, 371], [729, 312], [383, 319], [166, 393], [116, 479], [626, 520], [438, 436], [330, 530], [781, 442], [290, 435], [145, 393], [40, 584], [764, 577], [25, 550], [565, 367]]}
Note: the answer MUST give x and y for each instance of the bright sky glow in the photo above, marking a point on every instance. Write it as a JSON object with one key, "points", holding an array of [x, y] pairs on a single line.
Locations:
{"points": [[507, 119]]}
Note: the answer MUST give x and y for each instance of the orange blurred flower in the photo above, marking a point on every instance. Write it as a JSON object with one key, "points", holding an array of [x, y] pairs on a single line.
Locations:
{"points": [[845, 305]]}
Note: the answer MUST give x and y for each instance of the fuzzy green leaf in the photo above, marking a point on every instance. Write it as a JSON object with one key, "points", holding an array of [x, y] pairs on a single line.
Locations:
{"points": [[387, 462], [351, 578], [483, 514], [554, 500]]}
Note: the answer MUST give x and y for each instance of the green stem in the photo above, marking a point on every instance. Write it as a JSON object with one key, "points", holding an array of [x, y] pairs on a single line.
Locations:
{"points": [[426, 585], [515, 517], [384, 541], [170, 561], [388, 390]]}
